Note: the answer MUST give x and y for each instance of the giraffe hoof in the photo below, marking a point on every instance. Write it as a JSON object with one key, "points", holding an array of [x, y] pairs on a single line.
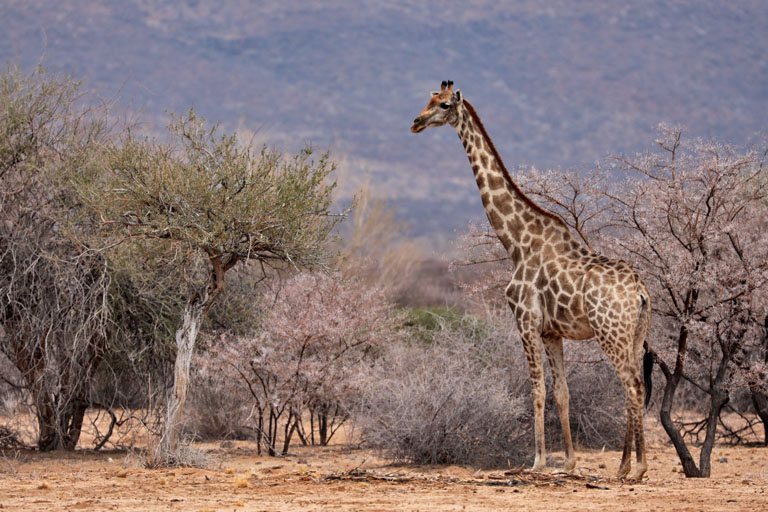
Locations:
{"points": [[623, 472], [539, 466], [570, 464], [637, 475]]}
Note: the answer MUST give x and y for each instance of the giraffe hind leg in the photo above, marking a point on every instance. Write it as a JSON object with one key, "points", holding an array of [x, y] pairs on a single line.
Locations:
{"points": [[626, 456], [638, 413], [620, 350], [631, 380]]}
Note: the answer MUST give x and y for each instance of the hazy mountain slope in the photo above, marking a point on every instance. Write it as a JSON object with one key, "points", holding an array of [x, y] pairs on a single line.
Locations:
{"points": [[557, 83]]}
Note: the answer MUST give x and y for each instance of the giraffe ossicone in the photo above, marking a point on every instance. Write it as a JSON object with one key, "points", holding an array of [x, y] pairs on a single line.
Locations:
{"points": [[559, 288]]}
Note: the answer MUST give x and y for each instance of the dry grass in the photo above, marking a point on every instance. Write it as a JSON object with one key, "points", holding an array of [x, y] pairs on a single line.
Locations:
{"points": [[185, 455]]}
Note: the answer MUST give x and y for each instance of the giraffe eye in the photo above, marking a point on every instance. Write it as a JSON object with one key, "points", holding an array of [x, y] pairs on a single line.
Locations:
{"points": [[445, 105]]}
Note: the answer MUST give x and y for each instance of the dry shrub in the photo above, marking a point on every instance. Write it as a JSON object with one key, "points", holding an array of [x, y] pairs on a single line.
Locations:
{"points": [[455, 401], [10, 440], [216, 411]]}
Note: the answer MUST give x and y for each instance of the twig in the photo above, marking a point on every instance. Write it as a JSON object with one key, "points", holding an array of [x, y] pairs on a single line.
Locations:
{"points": [[5, 458]]}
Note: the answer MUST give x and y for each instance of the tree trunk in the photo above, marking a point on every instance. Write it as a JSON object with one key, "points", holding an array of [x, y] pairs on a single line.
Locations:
{"points": [[60, 407], [185, 346], [272, 437], [718, 398], [74, 424], [259, 431], [760, 398], [322, 424], [290, 428], [186, 336], [760, 401], [665, 413], [689, 465], [301, 432], [48, 436], [312, 424], [59, 427]]}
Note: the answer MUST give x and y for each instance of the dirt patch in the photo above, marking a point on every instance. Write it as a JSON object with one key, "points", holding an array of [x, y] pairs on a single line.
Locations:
{"points": [[343, 479]]}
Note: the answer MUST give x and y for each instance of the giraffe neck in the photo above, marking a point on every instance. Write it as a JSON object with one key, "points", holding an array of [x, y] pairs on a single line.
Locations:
{"points": [[519, 223]]}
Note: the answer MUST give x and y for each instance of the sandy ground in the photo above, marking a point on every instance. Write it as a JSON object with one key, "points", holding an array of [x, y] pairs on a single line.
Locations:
{"points": [[339, 478]]}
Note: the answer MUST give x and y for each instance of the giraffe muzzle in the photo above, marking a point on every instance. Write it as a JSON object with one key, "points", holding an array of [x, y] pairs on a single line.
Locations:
{"points": [[418, 125]]}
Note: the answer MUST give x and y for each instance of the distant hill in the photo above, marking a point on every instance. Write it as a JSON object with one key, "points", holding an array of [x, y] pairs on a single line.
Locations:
{"points": [[557, 83]]}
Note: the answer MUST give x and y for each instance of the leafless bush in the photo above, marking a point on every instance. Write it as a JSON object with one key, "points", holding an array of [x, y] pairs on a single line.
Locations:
{"points": [[432, 285], [10, 440], [455, 401], [218, 410], [691, 219]]}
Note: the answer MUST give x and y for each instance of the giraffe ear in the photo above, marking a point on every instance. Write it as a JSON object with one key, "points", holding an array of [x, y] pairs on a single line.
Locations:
{"points": [[457, 95], [435, 93]]}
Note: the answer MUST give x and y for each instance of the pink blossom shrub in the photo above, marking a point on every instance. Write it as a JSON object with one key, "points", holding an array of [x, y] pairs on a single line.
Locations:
{"points": [[316, 335]]}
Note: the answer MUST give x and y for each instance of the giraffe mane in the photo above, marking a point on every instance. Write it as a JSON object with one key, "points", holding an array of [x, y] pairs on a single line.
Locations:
{"points": [[504, 170]]}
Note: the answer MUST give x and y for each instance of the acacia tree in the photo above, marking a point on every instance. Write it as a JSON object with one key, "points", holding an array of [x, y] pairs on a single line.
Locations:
{"points": [[317, 335], [692, 220], [54, 296], [217, 202]]}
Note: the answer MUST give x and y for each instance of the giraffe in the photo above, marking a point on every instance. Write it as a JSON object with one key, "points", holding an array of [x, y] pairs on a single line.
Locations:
{"points": [[559, 289]]}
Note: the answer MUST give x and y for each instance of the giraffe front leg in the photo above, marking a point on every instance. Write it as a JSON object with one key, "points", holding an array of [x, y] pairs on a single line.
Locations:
{"points": [[539, 392], [532, 346], [521, 301]]}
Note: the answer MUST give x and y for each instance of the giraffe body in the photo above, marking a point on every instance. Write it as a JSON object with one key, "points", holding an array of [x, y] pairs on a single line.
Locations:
{"points": [[559, 288]]}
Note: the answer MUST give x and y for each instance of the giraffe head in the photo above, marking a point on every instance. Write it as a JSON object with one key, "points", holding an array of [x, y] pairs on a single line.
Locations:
{"points": [[442, 108]]}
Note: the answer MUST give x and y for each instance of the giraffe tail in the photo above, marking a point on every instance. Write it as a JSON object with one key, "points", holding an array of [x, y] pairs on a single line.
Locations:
{"points": [[648, 374], [645, 314]]}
